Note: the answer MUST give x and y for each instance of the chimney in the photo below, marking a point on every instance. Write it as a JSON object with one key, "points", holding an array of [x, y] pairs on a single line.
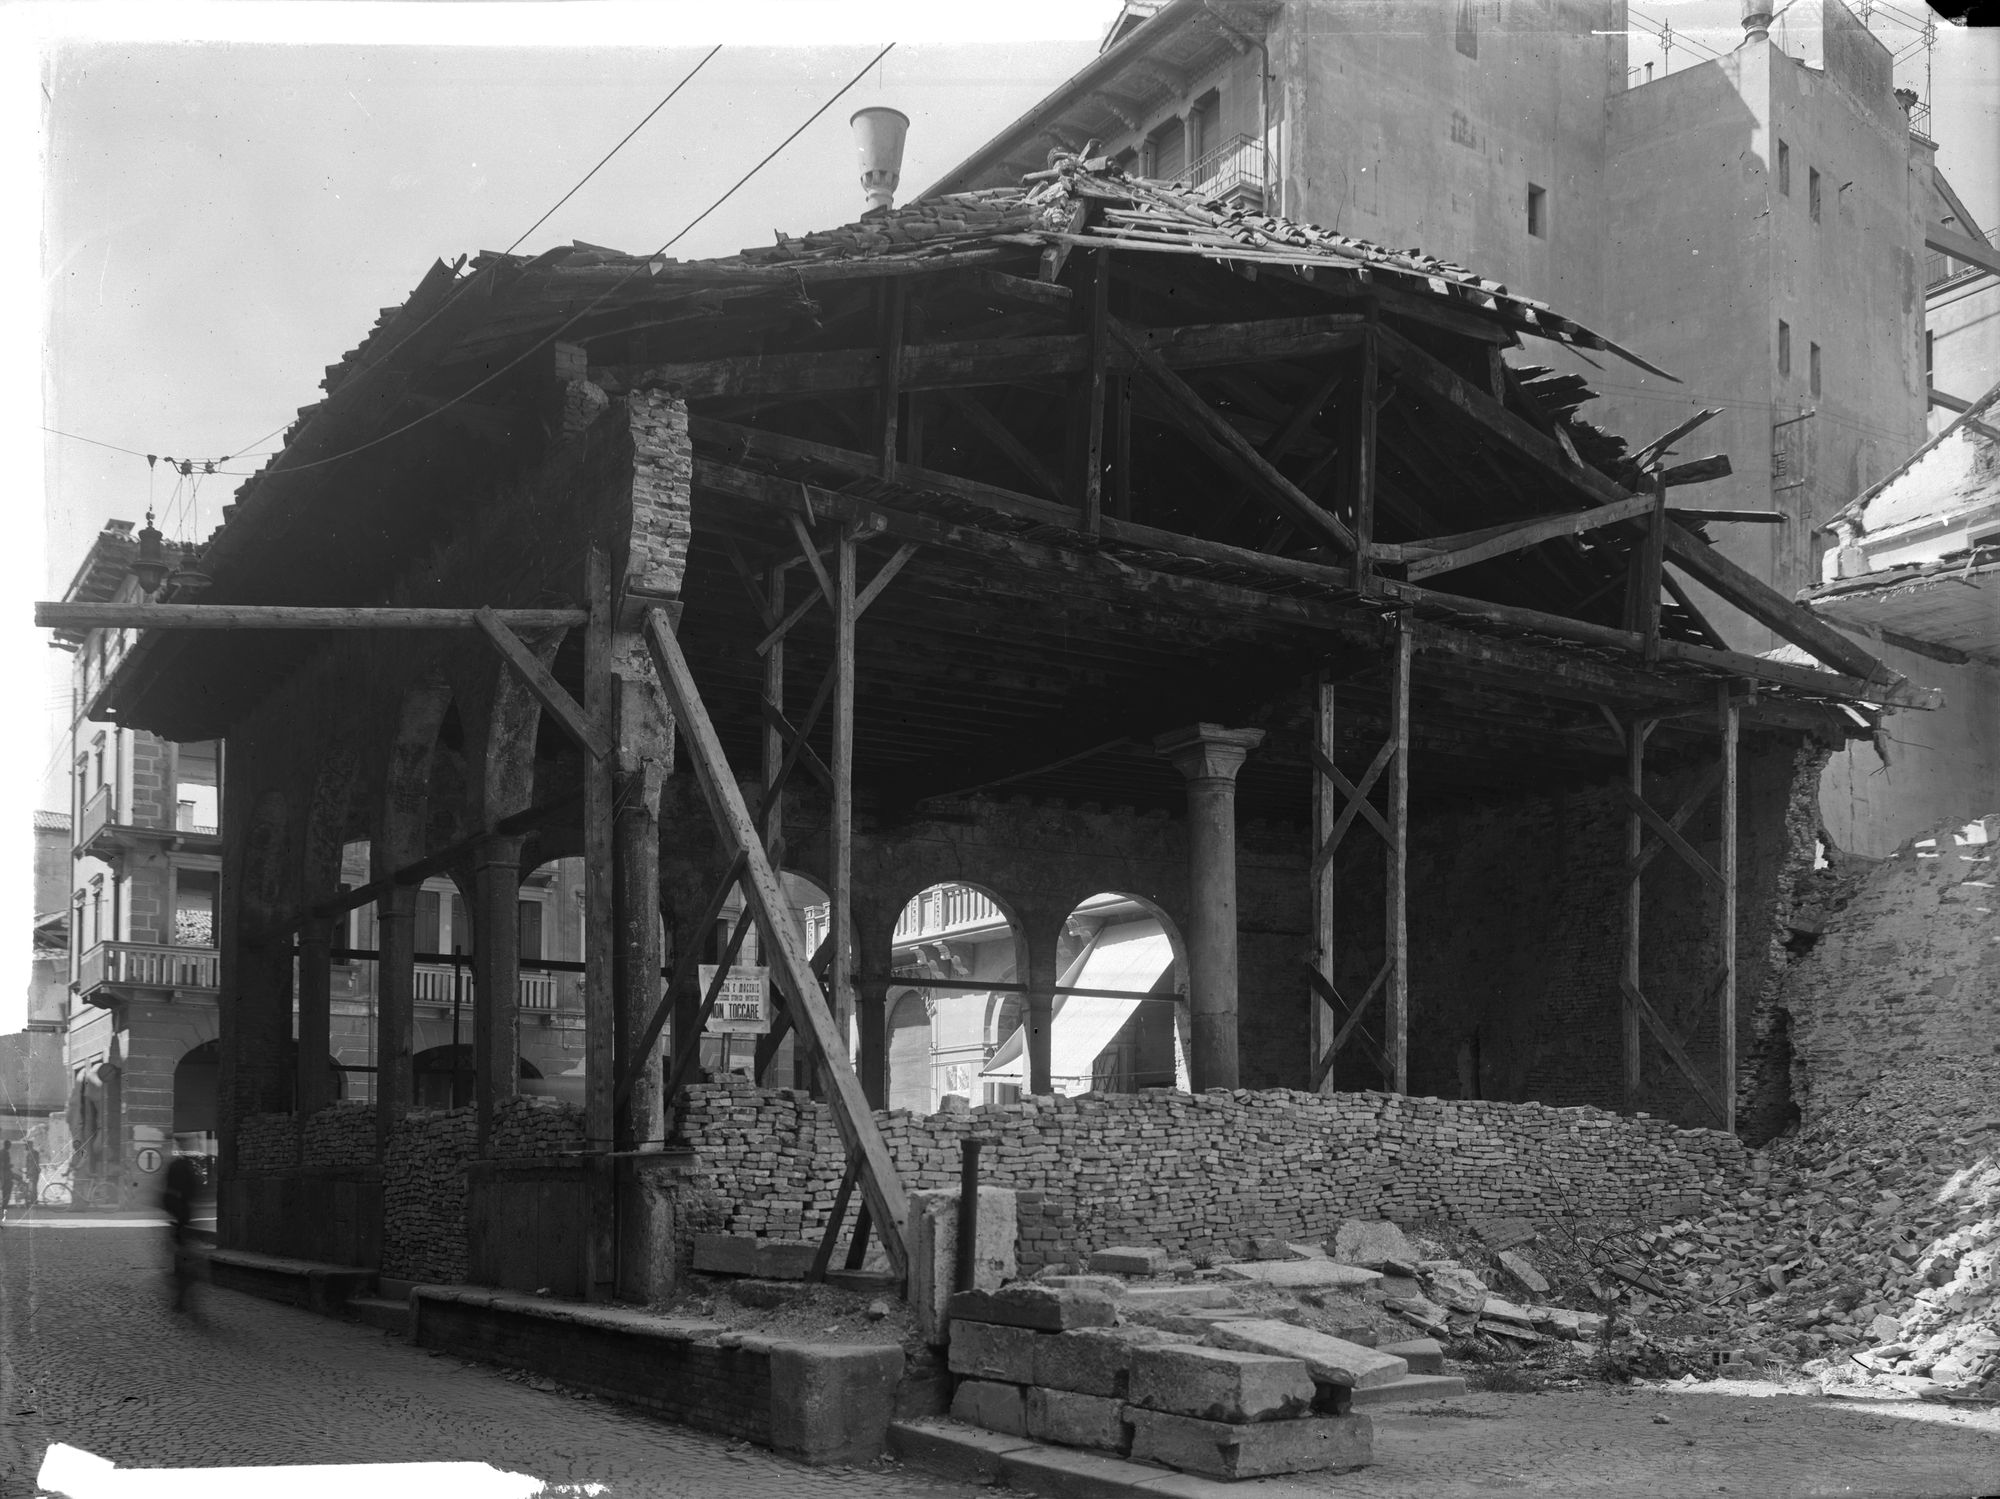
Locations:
{"points": [[1756, 20], [878, 135]]}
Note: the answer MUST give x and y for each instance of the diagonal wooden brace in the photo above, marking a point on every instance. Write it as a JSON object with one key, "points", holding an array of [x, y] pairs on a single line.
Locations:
{"points": [[1671, 1044], [1324, 1064], [688, 1048], [1703, 789], [1357, 800], [811, 1015], [1671, 836], [547, 690], [683, 966]]}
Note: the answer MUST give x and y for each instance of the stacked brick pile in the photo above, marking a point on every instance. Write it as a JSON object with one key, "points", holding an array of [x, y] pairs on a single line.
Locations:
{"points": [[342, 1134], [524, 1128], [1223, 1168], [1049, 1362], [267, 1144], [423, 1196]]}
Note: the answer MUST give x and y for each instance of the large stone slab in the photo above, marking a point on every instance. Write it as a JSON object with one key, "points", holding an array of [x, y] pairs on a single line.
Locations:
{"points": [[785, 1259], [994, 1406], [1423, 1355], [1409, 1390], [1371, 1244], [1122, 1259], [1457, 1287], [1092, 1360], [1331, 1360], [725, 1254], [1177, 1296], [1303, 1275], [1077, 1420], [986, 1350], [1522, 1269], [1218, 1450], [934, 1258], [1027, 1304], [1219, 1384]]}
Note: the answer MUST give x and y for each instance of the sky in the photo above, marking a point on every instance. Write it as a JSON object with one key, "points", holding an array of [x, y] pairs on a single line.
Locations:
{"points": [[217, 199]]}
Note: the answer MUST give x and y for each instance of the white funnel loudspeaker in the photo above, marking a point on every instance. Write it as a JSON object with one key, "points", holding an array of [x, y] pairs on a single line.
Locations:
{"points": [[878, 135]]}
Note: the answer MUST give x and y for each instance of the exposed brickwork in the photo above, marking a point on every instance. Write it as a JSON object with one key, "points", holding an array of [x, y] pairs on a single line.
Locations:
{"points": [[423, 1195], [342, 1134], [524, 1127], [1220, 1168], [662, 512], [266, 1144]]}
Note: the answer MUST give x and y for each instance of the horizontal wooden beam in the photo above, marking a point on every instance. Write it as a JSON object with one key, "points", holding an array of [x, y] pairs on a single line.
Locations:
{"points": [[1445, 554], [438, 863], [1962, 247], [996, 361], [1698, 470], [1711, 517], [56, 616]]}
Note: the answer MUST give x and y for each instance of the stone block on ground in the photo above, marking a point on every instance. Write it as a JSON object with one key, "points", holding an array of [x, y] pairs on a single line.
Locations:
{"points": [[1423, 1355], [1330, 1360], [986, 1350], [1409, 1389], [1077, 1420], [1530, 1279], [1177, 1296], [785, 1259], [1128, 1260], [1371, 1244], [1217, 1450], [1507, 1311], [832, 1403], [1885, 1328], [1028, 1304], [934, 1245], [1219, 1384], [993, 1406], [1110, 1285], [725, 1254], [1092, 1360], [1270, 1249], [1457, 1288], [1298, 1275]]}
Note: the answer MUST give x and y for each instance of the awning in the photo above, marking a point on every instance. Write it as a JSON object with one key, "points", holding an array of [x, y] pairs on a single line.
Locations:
{"points": [[1132, 956]]}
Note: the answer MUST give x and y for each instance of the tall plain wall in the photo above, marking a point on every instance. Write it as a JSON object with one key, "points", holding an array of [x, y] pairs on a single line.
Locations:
{"points": [[1201, 1175]]}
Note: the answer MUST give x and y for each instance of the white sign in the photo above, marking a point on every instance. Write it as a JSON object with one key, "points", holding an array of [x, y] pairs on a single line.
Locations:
{"points": [[743, 1007], [147, 1160]]}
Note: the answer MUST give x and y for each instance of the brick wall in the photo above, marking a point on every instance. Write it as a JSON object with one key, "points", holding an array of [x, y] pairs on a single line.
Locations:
{"points": [[266, 1144], [1907, 972], [1203, 1175], [342, 1134]]}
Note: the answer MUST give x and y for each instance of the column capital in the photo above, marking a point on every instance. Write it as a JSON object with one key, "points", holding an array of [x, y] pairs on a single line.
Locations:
{"points": [[1208, 751]]}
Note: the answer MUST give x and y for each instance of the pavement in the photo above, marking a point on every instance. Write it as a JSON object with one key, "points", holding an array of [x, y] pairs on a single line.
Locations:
{"points": [[91, 1356]]}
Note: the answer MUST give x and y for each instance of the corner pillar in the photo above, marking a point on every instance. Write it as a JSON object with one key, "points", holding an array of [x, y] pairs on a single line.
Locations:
{"points": [[395, 996], [496, 978], [1209, 756], [1039, 1020]]}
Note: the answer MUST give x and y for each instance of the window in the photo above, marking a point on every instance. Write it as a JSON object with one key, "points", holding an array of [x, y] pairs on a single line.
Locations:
{"points": [[194, 907], [1812, 366], [430, 916], [530, 913], [1784, 347], [1468, 27], [1166, 150], [1204, 121], [1784, 169], [1930, 355], [1812, 193], [96, 762], [1538, 211]]}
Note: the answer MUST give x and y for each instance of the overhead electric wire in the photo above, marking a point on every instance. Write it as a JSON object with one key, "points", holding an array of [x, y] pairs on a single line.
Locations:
{"points": [[644, 268]]}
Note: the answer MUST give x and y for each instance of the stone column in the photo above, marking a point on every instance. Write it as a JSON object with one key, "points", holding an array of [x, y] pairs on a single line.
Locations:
{"points": [[314, 1087], [395, 994], [1209, 756], [1038, 1018], [496, 977], [874, 938]]}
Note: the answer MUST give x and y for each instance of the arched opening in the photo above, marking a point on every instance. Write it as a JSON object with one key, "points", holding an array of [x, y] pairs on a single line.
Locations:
{"points": [[957, 954], [194, 1098], [548, 1021], [443, 1076], [1120, 1019]]}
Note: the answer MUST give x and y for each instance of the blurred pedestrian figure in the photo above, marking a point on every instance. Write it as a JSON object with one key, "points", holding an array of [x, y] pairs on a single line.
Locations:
{"points": [[31, 1174], [177, 1197], [6, 1175]]}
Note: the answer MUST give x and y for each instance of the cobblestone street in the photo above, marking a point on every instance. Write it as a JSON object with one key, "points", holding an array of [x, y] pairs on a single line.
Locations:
{"points": [[90, 1355]]}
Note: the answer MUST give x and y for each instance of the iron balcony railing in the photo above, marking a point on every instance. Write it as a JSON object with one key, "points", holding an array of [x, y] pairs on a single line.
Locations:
{"points": [[1235, 167], [146, 965]]}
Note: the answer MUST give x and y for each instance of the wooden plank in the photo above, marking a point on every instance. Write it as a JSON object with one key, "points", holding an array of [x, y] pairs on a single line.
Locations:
{"points": [[1726, 710], [811, 554], [823, 1257], [57, 616], [1444, 554], [1698, 470], [1684, 515], [1362, 461], [1233, 447], [1016, 452], [1357, 801], [1651, 558], [804, 999], [1628, 976], [1670, 835], [1672, 1045], [1903, 694], [1962, 247], [1513, 618], [1091, 492], [1324, 893], [1396, 1023], [546, 689], [600, 1016], [884, 577], [687, 1049]]}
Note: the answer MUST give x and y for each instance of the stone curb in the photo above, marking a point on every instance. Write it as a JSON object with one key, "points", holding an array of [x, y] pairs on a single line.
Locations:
{"points": [[965, 1454]]}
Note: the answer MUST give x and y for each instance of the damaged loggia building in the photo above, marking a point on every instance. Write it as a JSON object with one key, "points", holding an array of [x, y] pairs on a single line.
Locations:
{"points": [[1073, 537]]}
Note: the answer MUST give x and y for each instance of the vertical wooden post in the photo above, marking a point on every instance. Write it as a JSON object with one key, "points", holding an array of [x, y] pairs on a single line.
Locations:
{"points": [[602, 1052], [395, 986], [496, 977], [1635, 779], [314, 1085], [771, 818], [1361, 464], [1652, 565], [891, 301], [1397, 930], [1325, 812], [1090, 497], [1728, 711], [1118, 401], [840, 850]]}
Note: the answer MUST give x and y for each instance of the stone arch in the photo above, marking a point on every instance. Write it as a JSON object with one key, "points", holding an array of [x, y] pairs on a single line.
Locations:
{"points": [[959, 932]]}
